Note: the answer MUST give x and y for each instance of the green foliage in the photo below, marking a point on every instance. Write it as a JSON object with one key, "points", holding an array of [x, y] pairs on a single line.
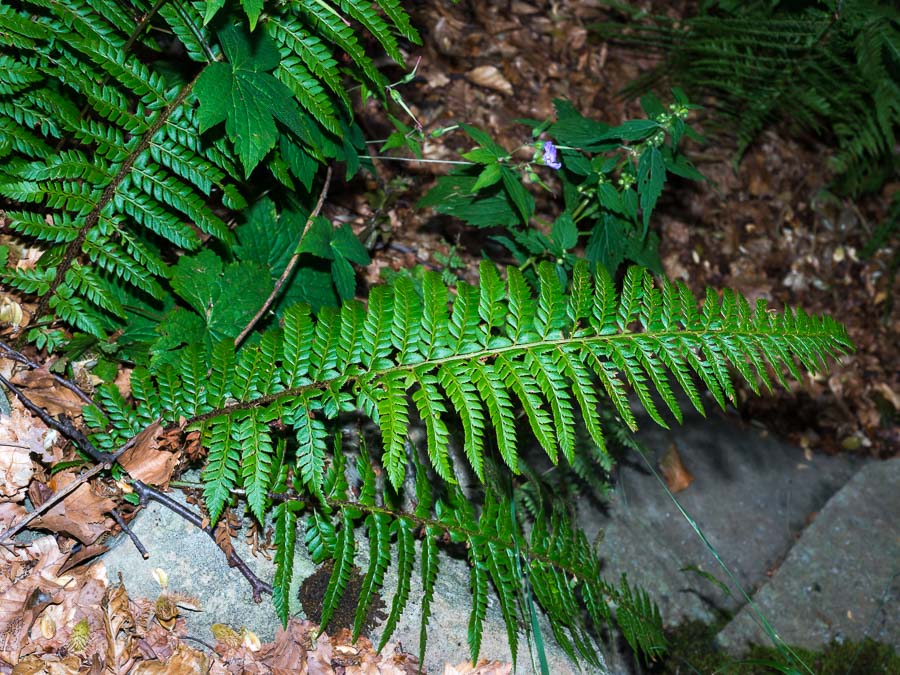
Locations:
{"points": [[106, 162], [611, 179], [125, 156], [496, 347], [826, 66]]}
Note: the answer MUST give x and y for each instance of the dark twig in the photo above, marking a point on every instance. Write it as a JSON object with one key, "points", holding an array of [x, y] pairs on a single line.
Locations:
{"points": [[148, 493], [57, 497], [292, 263], [63, 425], [120, 521], [13, 355]]}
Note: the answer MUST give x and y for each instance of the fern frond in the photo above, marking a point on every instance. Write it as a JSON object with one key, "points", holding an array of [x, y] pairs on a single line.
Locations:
{"points": [[821, 70], [484, 367]]}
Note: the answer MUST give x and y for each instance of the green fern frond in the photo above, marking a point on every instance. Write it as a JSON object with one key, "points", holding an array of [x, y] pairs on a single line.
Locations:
{"points": [[832, 72], [581, 338], [140, 173], [634, 339]]}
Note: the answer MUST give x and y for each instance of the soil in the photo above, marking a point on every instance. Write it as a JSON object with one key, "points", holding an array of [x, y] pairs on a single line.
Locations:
{"points": [[768, 227]]}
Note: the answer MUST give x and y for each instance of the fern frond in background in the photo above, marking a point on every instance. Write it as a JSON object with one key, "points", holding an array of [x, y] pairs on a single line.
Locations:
{"points": [[830, 67], [494, 348]]}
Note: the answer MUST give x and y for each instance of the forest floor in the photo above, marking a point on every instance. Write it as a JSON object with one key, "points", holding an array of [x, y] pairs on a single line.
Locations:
{"points": [[767, 228]]}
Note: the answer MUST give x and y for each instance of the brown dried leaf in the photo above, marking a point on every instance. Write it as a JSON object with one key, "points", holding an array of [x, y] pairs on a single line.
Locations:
{"points": [[677, 476], [48, 664], [287, 654], [15, 470], [483, 667], [119, 624], [79, 515], [31, 585], [491, 78], [146, 462], [185, 661], [10, 514], [45, 392]]}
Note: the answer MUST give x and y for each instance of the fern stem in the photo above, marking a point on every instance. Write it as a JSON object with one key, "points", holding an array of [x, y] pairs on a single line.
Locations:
{"points": [[289, 269], [73, 249], [486, 354]]}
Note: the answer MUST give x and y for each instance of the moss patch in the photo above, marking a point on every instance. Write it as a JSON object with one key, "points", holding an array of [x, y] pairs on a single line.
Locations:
{"points": [[312, 593], [692, 649]]}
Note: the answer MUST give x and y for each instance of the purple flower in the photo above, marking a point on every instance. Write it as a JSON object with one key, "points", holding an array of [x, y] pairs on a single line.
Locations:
{"points": [[550, 158]]}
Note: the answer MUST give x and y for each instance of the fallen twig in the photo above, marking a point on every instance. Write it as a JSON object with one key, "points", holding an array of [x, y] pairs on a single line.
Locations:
{"points": [[13, 355], [120, 521], [148, 493], [104, 461]]}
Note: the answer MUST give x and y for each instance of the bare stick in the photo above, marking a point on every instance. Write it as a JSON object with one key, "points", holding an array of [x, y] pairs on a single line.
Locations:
{"points": [[147, 493], [57, 497], [104, 462], [24, 360], [62, 425], [120, 521], [290, 266]]}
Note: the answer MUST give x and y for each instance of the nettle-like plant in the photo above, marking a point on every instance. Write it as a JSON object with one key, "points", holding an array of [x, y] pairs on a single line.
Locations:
{"points": [[611, 179], [116, 162]]}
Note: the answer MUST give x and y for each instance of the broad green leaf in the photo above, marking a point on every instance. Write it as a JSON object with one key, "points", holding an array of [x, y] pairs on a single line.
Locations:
{"points": [[244, 95], [253, 8], [564, 232], [348, 245], [520, 196], [651, 177], [486, 178]]}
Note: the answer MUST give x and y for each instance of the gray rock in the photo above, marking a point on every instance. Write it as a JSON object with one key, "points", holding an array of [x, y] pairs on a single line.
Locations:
{"points": [[751, 496], [196, 567], [842, 579]]}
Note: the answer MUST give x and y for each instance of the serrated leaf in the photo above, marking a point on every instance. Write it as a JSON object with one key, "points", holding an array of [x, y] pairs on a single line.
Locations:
{"points": [[252, 8], [651, 178], [489, 176], [349, 246], [564, 232], [244, 95]]}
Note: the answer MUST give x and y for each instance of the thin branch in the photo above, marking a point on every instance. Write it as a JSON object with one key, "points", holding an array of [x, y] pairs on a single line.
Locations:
{"points": [[63, 425], [105, 461], [290, 266], [148, 493], [57, 497], [120, 521], [13, 355]]}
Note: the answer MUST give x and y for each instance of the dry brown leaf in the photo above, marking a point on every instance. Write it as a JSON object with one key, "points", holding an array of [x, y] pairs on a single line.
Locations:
{"points": [[491, 78], [483, 667], [185, 661], [677, 476], [287, 653], [48, 664], [31, 585], [146, 462], [15, 470], [45, 392], [119, 624], [10, 514], [79, 515]]}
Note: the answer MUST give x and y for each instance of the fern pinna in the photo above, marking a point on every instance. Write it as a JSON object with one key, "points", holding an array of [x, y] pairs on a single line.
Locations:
{"points": [[100, 132], [476, 356]]}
